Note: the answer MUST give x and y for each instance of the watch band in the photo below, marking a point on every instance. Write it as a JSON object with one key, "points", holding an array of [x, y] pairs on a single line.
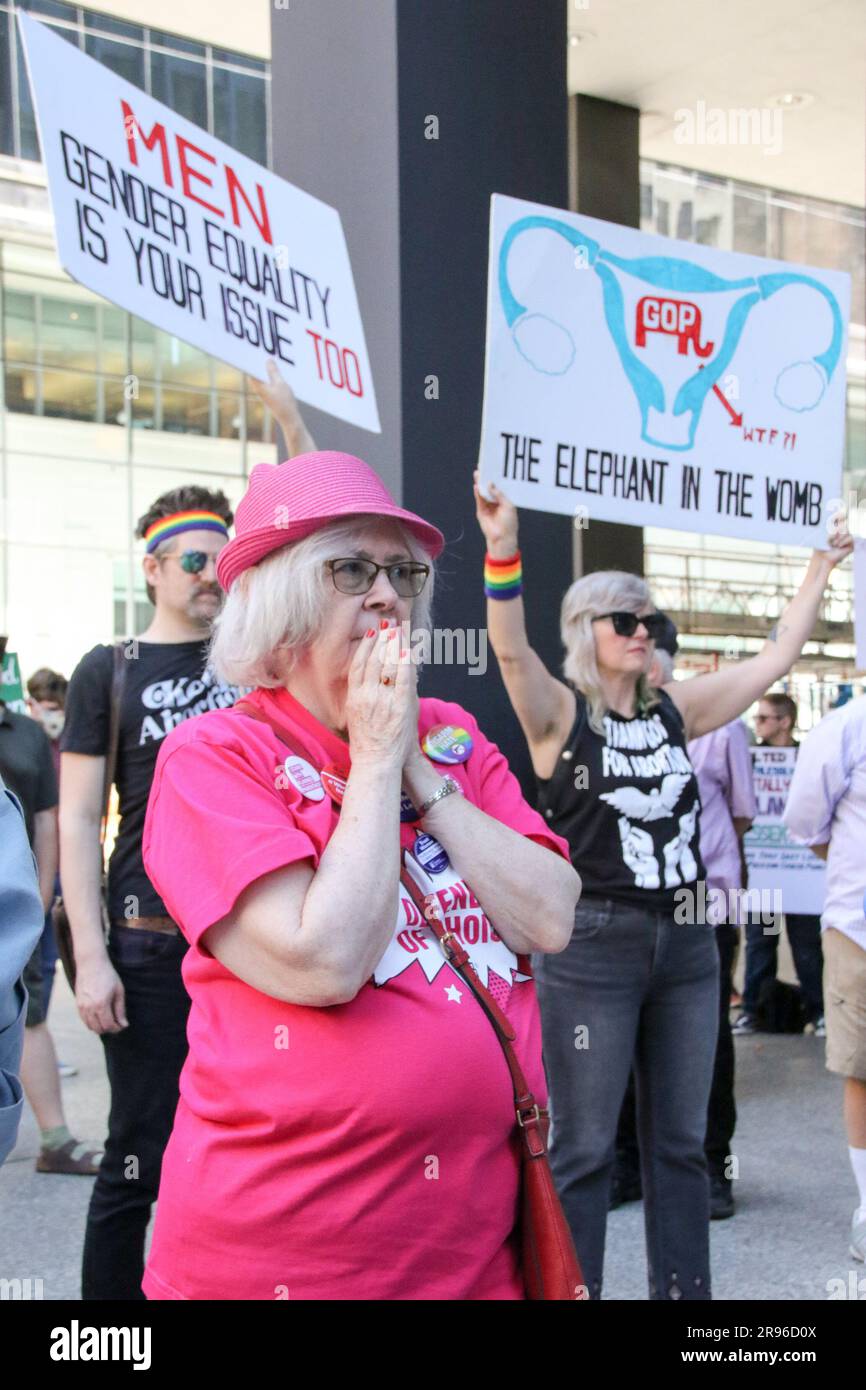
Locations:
{"points": [[448, 786]]}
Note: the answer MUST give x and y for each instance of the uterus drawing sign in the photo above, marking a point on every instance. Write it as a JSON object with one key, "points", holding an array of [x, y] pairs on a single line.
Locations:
{"points": [[676, 326]]}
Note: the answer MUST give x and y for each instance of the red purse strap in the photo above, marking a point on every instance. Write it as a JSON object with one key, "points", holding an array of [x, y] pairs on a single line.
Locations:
{"points": [[526, 1107]]}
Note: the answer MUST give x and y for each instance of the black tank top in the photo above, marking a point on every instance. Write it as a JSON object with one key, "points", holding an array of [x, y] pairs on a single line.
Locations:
{"points": [[628, 804]]}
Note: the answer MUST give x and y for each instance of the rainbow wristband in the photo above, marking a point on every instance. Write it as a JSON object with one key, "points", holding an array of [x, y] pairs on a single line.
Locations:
{"points": [[503, 578]]}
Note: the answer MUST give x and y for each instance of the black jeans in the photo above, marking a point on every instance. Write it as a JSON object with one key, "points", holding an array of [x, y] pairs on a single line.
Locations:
{"points": [[722, 1110], [144, 1064], [762, 940], [646, 990]]}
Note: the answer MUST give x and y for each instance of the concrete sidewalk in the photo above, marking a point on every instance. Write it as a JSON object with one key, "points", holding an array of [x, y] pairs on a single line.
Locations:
{"points": [[795, 1192]]}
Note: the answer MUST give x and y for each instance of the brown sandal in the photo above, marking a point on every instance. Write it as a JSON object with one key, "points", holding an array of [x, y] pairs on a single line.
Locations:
{"points": [[61, 1160]]}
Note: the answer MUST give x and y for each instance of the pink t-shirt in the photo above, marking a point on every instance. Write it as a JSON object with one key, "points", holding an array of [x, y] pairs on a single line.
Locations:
{"points": [[362, 1151]]}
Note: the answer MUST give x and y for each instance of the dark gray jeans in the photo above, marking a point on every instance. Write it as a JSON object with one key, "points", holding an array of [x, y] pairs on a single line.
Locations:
{"points": [[634, 986]]}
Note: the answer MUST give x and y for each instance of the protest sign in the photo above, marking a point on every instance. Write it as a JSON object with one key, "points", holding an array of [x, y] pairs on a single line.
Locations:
{"points": [[634, 378], [776, 861], [172, 224], [11, 685]]}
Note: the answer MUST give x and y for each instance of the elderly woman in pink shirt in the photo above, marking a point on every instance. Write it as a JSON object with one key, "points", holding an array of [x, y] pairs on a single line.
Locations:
{"points": [[346, 1124]]}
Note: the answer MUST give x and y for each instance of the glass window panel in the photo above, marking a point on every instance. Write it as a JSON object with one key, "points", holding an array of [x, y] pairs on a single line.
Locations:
{"points": [[787, 232], [178, 362], [68, 334], [685, 221], [143, 404], [54, 9], [116, 405], [646, 205], [186, 412], [181, 84], [241, 60], [114, 340], [72, 395], [174, 41], [7, 125], [228, 415], [122, 58], [258, 426], [21, 389], [750, 224], [226, 378], [20, 326], [143, 348], [92, 20], [240, 112]]}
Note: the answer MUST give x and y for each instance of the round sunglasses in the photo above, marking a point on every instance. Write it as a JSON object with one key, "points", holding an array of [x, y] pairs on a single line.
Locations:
{"points": [[192, 561], [626, 624], [355, 576]]}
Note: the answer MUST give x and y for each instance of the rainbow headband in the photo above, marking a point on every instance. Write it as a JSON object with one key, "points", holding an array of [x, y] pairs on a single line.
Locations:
{"points": [[169, 526]]}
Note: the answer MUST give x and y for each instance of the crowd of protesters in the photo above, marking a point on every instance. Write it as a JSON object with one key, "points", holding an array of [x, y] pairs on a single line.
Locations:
{"points": [[292, 1061]]}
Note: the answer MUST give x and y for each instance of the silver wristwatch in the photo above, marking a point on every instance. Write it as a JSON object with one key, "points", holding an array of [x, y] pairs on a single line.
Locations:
{"points": [[448, 786]]}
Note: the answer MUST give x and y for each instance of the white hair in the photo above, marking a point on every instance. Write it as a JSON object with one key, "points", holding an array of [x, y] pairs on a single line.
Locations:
{"points": [[605, 591], [279, 605]]}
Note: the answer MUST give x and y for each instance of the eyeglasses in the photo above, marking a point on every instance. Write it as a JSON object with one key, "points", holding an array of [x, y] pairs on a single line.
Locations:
{"points": [[626, 624], [192, 561], [355, 576]]}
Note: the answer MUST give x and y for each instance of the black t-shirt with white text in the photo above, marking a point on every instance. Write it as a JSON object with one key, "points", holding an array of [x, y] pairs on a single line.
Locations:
{"points": [[628, 804], [164, 683]]}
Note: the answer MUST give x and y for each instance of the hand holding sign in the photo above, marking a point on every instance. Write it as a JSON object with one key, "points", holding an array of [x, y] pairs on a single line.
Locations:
{"points": [[497, 517], [280, 400]]}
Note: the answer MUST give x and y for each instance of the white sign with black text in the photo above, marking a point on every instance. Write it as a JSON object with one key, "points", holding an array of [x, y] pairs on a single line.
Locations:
{"points": [[634, 378], [166, 221]]}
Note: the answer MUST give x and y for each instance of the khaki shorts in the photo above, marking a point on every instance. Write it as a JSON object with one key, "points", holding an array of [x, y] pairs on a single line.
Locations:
{"points": [[845, 1004]]}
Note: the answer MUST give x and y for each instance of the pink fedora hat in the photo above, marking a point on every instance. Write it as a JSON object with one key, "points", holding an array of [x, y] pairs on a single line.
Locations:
{"points": [[288, 501]]}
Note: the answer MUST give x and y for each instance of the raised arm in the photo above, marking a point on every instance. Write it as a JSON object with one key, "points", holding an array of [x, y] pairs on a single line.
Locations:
{"points": [[544, 705], [280, 399], [707, 702]]}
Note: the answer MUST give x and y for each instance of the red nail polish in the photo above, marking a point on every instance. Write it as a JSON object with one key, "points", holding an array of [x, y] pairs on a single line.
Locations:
{"points": [[383, 624], [392, 633], [371, 632]]}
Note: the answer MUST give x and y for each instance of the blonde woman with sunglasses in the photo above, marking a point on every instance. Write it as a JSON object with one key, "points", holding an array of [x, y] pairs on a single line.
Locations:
{"points": [[638, 981]]}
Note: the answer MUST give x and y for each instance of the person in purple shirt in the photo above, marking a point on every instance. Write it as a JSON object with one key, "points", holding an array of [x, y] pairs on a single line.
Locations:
{"points": [[723, 764]]}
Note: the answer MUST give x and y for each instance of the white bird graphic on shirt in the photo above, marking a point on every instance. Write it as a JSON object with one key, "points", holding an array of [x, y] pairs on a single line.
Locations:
{"points": [[654, 805]]}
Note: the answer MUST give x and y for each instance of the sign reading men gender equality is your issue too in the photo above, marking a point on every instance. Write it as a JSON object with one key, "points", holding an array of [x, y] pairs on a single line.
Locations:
{"points": [[638, 379], [170, 223]]}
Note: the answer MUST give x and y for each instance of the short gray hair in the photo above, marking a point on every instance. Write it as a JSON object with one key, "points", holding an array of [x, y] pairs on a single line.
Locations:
{"points": [[605, 591], [280, 603]]}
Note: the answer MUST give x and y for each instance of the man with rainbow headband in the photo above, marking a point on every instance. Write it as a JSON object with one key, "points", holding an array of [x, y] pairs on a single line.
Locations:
{"points": [[129, 987]]}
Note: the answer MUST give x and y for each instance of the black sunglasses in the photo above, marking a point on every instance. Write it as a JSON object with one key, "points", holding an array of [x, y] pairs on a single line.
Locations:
{"points": [[355, 576], [626, 624]]}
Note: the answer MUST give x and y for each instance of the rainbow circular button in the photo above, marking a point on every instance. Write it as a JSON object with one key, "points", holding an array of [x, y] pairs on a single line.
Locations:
{"points": [[447, 743]]}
